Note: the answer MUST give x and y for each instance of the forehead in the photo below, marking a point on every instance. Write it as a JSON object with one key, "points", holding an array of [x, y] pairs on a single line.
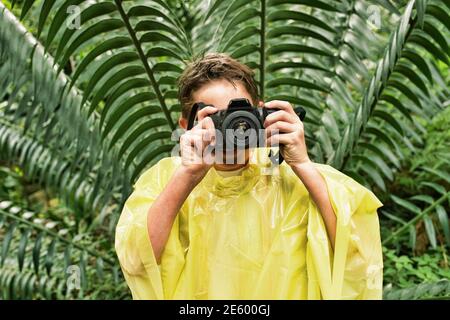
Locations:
{"points": [[220, 92]]}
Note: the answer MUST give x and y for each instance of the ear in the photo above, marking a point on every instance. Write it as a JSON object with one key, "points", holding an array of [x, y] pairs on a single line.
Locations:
{"points": [[261, 103], [183, 123]]}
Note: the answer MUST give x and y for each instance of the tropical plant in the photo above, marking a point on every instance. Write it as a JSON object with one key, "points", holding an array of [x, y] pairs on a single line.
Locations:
{"points": [[39, 259], [88, 96], [425, 291]]}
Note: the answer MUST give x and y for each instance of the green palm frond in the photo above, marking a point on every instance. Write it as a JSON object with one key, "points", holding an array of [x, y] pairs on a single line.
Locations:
{"points": [[45, 112], [439, 290], [37, 256], [390, 85], [424, 207]]}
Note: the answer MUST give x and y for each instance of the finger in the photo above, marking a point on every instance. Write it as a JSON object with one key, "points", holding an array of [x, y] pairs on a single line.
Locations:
{"points": [[209, 155], [204, 112], [196, 149], [280, 139], [206, 135], [279, 104], [280, 116], [203, 131], [189, 140], [200, 139], [206, 123], [280, 127], [190, 148]]}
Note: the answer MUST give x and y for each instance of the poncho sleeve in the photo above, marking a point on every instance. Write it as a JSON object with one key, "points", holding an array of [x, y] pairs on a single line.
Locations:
{"points": [[132, 243], [353, 270]]}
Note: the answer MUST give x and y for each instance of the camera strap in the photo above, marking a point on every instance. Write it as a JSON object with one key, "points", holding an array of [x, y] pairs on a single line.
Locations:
{"points": [[193, 115]]}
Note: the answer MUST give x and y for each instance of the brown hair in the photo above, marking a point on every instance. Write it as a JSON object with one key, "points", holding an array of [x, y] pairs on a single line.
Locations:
{"points": [[210, 67]]}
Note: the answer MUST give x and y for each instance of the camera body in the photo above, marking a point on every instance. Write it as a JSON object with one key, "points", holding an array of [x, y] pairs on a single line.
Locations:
{"points": [[241, 125]]}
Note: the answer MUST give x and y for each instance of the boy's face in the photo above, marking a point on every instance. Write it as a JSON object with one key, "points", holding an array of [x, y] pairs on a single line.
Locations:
{"points": [[219, 93]]}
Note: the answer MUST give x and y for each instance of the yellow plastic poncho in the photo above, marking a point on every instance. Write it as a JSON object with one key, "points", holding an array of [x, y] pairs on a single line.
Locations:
{"points": [[257, 235]]}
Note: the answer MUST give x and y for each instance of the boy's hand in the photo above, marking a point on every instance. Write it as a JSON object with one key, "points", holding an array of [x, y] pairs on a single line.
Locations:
{"points": [[196, 145], [285, 128]]}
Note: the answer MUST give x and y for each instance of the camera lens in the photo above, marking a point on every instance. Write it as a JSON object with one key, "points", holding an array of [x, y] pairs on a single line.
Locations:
{"points": [[241, 130]]}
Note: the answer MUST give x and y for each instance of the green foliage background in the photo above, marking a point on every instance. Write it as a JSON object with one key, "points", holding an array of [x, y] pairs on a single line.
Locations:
{"points": [[85, 110]]}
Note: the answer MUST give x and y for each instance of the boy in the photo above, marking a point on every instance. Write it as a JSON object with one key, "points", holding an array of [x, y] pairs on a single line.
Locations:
{"points": [[195, 228]]}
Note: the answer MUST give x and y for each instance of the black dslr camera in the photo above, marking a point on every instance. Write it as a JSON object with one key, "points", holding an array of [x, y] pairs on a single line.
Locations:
{"points": [[241, 125]]}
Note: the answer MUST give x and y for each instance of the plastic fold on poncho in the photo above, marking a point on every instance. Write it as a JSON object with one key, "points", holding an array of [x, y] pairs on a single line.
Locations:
{"points": [[257, 235]]}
